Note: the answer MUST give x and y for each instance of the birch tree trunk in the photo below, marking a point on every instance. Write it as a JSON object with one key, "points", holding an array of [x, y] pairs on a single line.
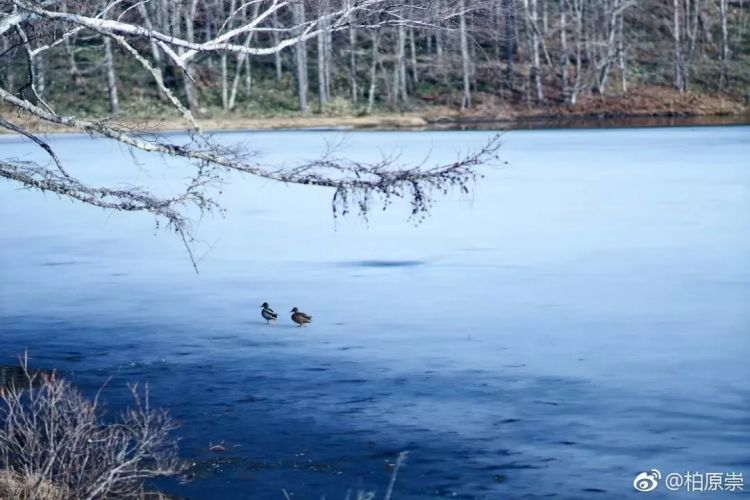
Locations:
{"points": [[679, 81], [328, 66], [578, 9], [532, 28], [207, 30], [75, 73], [248, 77], [413, 54], [510, 35], [155, 53], [322, 52], [563, 49], [353, 64], [402, 62], [40, 74], [300, 49], [373, 72], [497, 24], [224, 67], [224, 83], [440, 56], [399, 68], [109, 68], [465, 59], [277, 55], [692, 33], [389, 92], [606, 63], [243, 63], [621, 55], [440, 49], [9, 78], [724, 78], [187, 82]]}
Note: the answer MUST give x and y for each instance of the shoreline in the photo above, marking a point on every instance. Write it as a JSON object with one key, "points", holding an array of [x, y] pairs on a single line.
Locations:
{"points": [[413, 122], [641, 107]]}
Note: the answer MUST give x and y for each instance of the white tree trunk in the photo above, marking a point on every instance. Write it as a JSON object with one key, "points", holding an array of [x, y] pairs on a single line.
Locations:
{"points": [[724, 45], [277, 55], [399, 74], [578, 9], [109, 68], [322, 85], [679, 81], [190, 93], [531, 23], [353, 64], [621, 56], [510, 35], [564, 48], [465, 58], [373, 72], [300, 49], [243, 63], [609, 55], [413, 54], [155, 53]]}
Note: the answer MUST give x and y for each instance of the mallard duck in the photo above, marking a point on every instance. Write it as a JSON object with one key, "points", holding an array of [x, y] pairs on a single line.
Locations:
{"points": [[299, 317], [268, 313]]}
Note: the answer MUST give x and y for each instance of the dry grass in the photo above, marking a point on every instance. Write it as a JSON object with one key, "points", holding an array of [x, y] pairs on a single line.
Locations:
{"points": [[16, 486], [659, 100], [639, 101]]}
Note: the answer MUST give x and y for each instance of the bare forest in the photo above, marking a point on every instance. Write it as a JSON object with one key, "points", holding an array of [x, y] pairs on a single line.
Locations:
{"points": [[353, 57]]}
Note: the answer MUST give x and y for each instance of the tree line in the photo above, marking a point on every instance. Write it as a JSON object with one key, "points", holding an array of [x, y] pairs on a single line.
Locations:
{"points": [[387, 53]]}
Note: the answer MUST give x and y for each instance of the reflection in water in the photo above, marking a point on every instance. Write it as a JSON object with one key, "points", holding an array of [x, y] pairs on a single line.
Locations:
{"points": [[594, 121], [383, 263], [15, 376]]}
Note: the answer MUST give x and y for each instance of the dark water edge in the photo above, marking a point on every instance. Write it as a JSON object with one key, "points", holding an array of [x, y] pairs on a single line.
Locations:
{"points": [[542, 122], [592, 122]]}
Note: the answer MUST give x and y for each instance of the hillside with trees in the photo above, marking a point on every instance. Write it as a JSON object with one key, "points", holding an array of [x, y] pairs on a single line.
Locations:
{"points": [[489, 58]]}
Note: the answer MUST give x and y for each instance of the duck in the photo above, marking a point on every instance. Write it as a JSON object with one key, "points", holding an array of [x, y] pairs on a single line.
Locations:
{"points": [[299, 317], [268, 313]]}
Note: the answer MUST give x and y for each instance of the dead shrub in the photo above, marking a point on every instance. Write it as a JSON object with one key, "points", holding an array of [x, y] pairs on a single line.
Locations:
{"points": [[57, 444]]}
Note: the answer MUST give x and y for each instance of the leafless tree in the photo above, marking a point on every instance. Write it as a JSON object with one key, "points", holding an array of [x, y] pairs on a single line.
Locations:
{"points": [[564, 56], [680, 40], [680, 72], [724, 43], [465, 58], [114, 102], [510, 31], [530, 16], [128, 25]]}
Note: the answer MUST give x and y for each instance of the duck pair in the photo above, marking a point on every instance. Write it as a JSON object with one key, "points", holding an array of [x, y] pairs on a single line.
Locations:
{"points": [[297, 316]]}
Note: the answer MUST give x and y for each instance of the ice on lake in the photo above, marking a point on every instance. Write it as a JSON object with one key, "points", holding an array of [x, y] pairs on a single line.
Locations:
{"points": [[582, 316]]}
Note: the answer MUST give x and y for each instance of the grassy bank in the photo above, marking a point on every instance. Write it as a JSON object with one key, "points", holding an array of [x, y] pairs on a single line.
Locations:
{"points": [[423, 111]]}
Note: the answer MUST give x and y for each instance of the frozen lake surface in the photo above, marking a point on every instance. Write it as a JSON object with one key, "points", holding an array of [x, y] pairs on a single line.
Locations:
{"points": [[583, 316]]}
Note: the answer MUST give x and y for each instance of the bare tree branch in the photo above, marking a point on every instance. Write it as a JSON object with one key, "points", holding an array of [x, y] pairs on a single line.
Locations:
{"points": [[355, 184]]}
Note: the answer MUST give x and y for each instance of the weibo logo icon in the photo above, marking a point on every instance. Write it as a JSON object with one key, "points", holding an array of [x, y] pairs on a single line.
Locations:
{"points": [[647, 481]]}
